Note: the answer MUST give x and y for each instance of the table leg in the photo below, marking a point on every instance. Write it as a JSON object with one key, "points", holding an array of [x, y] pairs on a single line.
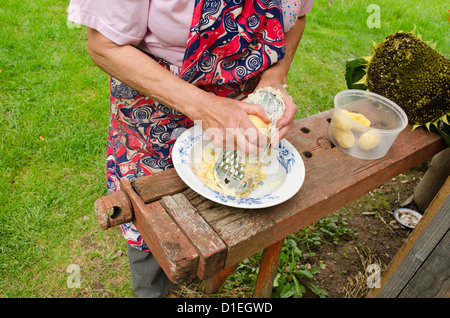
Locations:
{"points": [[212, 284], [267, 270], [266, 274]]}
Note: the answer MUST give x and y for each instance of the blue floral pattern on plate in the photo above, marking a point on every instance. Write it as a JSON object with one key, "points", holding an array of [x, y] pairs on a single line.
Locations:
{"points": [[185, 147], [286, 157], [224, 198]]}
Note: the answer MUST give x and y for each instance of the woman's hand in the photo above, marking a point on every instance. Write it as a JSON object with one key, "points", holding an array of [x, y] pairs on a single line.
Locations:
{"points": [[228, 126], [286, 122]]}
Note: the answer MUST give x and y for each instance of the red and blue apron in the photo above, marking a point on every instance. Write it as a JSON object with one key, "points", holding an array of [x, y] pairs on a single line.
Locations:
{"points": [[230, 44]]}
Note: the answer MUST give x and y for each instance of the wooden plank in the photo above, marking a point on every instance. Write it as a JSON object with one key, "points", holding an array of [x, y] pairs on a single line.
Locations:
{"points": [[421, 242], [171, 248], [211, 249], [155, 186], [332, 180], [437, 172], [311, 140], [117, 203], [432, 280]]}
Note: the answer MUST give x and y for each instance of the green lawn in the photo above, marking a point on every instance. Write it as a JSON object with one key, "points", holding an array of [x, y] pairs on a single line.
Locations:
{"points": [[53, 126]]}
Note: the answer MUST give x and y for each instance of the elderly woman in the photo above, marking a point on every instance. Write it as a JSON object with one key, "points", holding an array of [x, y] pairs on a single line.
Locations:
{"points": [[173, 62]]}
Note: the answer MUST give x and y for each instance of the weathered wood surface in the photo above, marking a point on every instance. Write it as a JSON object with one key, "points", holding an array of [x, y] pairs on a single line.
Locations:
{"points": [[421, 266], [432, 279], [155, 186], [332, 180], [212, 251], [166, 241], [113, 209]]}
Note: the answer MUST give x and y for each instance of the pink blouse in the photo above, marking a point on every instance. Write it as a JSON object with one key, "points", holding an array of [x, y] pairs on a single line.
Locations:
{"points": [[159, 27]]}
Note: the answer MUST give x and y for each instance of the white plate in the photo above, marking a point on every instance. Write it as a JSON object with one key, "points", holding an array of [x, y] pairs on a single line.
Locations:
{"points": [[407, 217], [284, 178]]}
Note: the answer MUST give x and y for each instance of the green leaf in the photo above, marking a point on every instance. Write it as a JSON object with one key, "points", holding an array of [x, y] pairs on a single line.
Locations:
{"points": [[305, 272], [287, 291], [354, 72], [275, 281], [443, 129], [299, 289], [292, 266], [319, 291], [315, 270]]}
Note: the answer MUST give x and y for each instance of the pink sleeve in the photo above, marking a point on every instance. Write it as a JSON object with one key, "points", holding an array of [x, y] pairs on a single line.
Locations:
{"points": [[306, 7], [293, 9], [121, 21]]}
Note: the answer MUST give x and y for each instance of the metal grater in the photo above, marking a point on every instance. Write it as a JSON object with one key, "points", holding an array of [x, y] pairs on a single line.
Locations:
{"points": [[272, 132], [229, 172], [272, 102]]}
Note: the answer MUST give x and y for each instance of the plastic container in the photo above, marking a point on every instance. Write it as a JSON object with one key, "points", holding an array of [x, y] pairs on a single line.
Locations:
{"points": [[364, 124]]}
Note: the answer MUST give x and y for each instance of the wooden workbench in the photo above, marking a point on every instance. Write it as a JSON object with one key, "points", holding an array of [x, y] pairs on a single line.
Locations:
{"points": [[193, 236]]}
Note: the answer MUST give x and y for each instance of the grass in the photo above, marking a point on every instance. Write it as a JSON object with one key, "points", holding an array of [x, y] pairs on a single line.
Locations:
{"points": [[53, 126]]}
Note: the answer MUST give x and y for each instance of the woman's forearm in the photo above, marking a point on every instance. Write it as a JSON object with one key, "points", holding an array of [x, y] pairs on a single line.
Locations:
{"points": [[142, 73], [217, 115]]}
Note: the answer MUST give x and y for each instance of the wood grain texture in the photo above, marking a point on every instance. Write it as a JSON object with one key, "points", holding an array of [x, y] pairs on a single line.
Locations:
{"points": [[113, 209], [155, 186], [168, 244], [211, 249], [432, 279], [428, 233]]}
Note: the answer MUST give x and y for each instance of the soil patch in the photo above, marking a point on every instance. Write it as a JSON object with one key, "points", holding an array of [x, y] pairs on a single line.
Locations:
{"points": [[349, 266]]}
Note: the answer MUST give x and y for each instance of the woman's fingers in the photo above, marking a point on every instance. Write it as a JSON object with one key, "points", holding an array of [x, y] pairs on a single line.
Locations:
{"points": [[286, 122], [255, 109], [229, 126], [249, 140]]}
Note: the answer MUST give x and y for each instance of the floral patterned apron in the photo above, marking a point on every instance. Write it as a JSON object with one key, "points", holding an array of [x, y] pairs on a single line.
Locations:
{"points": [[230, 43]]}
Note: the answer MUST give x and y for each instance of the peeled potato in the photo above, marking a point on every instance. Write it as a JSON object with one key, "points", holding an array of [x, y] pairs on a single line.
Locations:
{"points": [[344, 124], [262, 126], [340, 120], [360, 118], [369, 140], [345, 138]]}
